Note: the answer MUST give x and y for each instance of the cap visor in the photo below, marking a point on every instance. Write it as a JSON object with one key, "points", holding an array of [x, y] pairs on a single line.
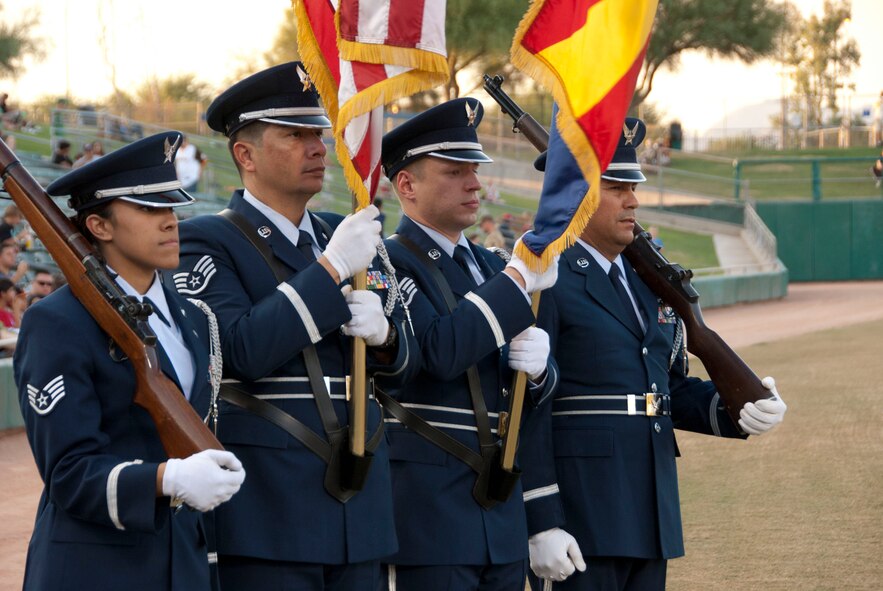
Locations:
{"points": [[312, 121], [165, 199], [626, 176], [462, 155]]}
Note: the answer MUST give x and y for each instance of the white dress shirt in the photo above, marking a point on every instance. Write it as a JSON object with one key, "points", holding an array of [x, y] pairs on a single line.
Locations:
{"points": [[169, 337]]}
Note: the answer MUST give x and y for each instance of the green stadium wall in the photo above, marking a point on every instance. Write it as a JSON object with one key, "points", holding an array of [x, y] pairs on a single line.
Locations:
{"points": [[827, 241], [10, 413]]}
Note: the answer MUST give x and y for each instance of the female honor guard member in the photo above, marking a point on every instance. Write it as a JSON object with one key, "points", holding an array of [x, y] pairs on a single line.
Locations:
{"points": [[105, 521], [602, 497]]}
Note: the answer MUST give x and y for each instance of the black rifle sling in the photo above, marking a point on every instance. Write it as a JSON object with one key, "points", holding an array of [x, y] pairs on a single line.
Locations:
{"points": [[482, 423], [324, 405]]}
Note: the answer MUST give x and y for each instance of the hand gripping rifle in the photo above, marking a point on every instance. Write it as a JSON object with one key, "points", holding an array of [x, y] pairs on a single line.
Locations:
{"points": [[735, 381], [123, 318]]}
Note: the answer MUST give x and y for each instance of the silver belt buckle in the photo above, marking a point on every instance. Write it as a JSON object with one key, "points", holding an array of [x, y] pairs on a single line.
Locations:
{"points": [[651, 403]]}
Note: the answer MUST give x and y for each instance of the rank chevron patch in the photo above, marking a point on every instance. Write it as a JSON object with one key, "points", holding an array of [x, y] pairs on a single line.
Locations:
{"points": [[44, 400], [409, 289], [193, 282]]}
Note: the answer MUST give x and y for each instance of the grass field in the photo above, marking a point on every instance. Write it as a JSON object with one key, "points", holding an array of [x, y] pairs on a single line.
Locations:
{"points": [[715, 177], [691, 251], [801, 507]]}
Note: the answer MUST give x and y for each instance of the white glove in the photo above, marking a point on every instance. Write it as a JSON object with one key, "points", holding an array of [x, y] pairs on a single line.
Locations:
{"points": [[354, 243], [759, 417], [554, 554], [201, 481], [529, 352], [534, 281], [368, 321]]}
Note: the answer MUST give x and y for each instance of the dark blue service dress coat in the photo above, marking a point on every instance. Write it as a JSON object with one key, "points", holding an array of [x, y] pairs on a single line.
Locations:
{"points": [[283, 512], [100, 525], [616, 473], [437, 519]]}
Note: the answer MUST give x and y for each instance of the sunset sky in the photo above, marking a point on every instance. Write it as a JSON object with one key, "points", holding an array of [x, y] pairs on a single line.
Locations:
{"points": [[165, 37]]}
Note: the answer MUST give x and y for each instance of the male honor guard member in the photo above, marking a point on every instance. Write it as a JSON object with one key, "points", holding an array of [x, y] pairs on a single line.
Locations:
{"points": [[272, 272], [105, 521], [444, 429], [602, 495]]}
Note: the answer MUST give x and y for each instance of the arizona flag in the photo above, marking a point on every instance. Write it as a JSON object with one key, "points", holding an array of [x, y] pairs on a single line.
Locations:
{"points": [[361, 55], [589, 53]]}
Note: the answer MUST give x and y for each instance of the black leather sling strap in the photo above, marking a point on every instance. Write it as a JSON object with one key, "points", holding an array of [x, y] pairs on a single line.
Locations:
{"points": [[413, 421], [324, 405]]}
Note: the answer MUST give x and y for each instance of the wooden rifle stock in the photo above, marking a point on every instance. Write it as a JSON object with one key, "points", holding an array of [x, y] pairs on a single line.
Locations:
{"points": [[180, 429], [735, 381]]}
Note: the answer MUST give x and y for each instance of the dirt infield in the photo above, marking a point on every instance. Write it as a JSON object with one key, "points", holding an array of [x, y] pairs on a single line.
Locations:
{"points": [[808, 308]]}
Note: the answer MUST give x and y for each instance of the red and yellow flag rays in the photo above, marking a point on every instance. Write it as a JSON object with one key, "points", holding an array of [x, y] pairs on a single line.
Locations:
{"points": [[589, 53]]}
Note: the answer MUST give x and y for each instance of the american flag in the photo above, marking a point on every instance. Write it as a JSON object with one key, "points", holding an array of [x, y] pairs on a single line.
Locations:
{"points": [[383, 50]]}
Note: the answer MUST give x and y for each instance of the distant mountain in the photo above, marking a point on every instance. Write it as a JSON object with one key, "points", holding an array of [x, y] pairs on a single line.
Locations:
{"points": [[756, 116]]}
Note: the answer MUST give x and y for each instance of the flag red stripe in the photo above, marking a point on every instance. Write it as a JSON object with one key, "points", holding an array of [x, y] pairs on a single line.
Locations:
{"points": [[362, 159], [366, 75], [349, 19], [556, 21], [603, 122], [405, 22], [321, 13]]}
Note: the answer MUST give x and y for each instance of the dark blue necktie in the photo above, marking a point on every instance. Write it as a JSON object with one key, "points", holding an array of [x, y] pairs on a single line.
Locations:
{"points": [[156, 311], [614, 275], [461, 257], [305, 245]]}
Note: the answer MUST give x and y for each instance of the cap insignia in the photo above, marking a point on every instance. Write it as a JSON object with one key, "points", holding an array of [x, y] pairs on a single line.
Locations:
{"points": [[630, 134], [470, 114], [304, 78], [169, 149]]}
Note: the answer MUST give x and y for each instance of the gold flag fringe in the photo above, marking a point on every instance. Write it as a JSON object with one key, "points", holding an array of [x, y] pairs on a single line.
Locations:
{"points": [[409, 57], [431, 70], [572, 134], [314, 60], [379, 94]]}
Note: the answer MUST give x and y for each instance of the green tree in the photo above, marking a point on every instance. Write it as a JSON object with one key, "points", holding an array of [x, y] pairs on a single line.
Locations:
{"points": [[479, 34], [821, 59], [177, 89], [18, 43], [283, 50], [742, 29], [284, 47]]}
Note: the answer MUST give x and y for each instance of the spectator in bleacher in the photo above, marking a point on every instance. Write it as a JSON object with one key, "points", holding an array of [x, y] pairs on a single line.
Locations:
{"points": [[493, 237], [189, 163], [84, 157], [10, 267], [9, 140], [506, 230], [10, 116], [12, 219], [58, 280], [42, 284], [877, 170], [526, 222], [12, 304], [33, 299], [61, 156]]}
